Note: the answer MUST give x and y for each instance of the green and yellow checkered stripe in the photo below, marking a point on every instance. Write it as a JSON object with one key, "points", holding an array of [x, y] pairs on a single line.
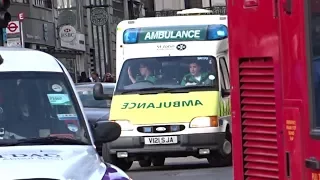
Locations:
{"points": [[224, 107]]}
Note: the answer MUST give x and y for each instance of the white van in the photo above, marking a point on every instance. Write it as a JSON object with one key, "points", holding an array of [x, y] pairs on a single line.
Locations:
{"points": [[43, 131]]}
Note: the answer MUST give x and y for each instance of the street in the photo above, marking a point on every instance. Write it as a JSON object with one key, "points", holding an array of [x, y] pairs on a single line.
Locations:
{"points": [[181, 169]]}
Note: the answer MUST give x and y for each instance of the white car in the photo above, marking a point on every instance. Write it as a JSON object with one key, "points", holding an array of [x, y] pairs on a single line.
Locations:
{"points": [[43, 131]]}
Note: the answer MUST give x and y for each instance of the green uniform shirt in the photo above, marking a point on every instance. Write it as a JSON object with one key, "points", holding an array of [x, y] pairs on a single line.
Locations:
{"points": [[148, 78], [189, 78]]}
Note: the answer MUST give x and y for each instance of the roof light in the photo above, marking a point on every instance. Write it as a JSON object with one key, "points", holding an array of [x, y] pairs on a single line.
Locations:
{"points": [[216, 32], [130, 36]]}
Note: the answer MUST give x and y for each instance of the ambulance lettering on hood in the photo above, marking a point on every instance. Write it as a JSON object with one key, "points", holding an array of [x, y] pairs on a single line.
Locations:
{"points": [[173, 104], [34, 156]]}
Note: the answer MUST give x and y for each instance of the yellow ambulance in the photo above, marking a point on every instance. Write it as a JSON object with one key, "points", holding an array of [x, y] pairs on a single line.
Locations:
{"points": [[172, 93]]}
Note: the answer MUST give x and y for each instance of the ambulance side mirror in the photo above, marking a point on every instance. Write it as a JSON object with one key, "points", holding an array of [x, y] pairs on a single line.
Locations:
{"points": [[98, 93], [225, 92]]}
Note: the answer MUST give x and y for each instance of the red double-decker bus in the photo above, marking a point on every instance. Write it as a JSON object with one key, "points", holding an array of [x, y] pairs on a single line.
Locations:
{"points": [[275, 76]]}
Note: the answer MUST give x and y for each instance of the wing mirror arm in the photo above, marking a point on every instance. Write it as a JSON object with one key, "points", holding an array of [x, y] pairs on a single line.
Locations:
{"points": [[225, 92], [98, 93]]}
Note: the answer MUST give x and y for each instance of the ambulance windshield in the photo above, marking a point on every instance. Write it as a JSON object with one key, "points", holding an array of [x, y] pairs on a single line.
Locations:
{"points": [[187, 72]]}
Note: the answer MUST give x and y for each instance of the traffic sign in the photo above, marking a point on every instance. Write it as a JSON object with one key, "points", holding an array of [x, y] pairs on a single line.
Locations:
{"points": [[21, 16], [99, 16], [13, 27]]}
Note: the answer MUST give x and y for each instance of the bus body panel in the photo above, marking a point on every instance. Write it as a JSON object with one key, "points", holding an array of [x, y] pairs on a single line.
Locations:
{"points": [[289, 35], [256, 103]]}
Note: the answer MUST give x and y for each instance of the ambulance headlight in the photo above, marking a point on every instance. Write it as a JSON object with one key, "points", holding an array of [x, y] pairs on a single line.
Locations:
{"points": [[216, 32], [130, 36], [201, 122], [125, 125]]}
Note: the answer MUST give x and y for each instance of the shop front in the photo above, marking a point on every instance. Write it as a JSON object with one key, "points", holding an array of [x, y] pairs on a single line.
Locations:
{"points": [[71, 50], [38, 34]]}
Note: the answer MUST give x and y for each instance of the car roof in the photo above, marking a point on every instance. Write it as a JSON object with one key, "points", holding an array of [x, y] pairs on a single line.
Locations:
{"points": [[23, 59], [91, 84]]}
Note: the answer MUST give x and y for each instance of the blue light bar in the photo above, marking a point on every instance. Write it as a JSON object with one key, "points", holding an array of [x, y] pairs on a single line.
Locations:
{"points": [[216, 32], [130, 36], [147, 129]]}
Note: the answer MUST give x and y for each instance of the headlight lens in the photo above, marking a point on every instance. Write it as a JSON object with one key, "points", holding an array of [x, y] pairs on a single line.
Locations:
{"points": [[125, 125], [200, 122]]}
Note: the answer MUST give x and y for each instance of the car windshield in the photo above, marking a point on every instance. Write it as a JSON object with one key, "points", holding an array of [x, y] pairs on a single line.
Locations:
{"points": [[88, 101], [190, 73], [39, 105]]}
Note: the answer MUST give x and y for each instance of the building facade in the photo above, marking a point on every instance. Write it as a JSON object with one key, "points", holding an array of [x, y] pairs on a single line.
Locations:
{"points": [[38, 24], [169, 7], [80, 33], [70, 35], [44, 28], [102, 18]]}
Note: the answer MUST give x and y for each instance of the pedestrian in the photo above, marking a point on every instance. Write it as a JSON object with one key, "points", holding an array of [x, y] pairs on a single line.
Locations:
{"points": [[83, 78], [108, 78], [95, 77]]}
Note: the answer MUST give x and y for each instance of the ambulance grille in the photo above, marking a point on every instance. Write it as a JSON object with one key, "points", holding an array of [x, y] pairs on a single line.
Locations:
{"points": [[258, 117]]}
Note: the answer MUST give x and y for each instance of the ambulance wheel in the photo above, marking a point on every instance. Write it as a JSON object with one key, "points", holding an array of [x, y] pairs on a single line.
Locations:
{"points": [[145, 163], [224, 156], [123, 164], [106, 153], [158, 161]]}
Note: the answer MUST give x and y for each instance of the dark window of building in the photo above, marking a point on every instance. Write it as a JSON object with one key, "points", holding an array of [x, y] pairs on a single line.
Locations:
{"points": [[20, 1], [193, 4], [43, 3]]}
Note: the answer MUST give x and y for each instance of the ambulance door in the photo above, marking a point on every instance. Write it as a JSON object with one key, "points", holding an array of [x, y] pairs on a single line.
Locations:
{"points": [[224, 109]]}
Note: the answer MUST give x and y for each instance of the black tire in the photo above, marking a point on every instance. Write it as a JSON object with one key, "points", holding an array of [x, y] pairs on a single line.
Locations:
{"points": [[228, 158], [123, 164], [145, 163], [106, 153], [159, 161], [219, 159]]}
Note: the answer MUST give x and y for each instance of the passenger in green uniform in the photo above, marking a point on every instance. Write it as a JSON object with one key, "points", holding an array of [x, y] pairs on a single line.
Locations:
{"points": [[195, 77], [145, 74]]}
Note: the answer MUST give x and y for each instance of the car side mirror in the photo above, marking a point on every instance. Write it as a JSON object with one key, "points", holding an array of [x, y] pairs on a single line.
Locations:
{"points": [[225, 92], [106, 131], [98, 93]]}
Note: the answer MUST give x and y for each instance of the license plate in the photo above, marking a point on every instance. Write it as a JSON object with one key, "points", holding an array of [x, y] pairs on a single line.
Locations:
{"points": [[161, 140]]}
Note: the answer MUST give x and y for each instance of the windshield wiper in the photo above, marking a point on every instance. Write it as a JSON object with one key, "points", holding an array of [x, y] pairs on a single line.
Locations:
{"points": [[46, 141], [152, 90]]}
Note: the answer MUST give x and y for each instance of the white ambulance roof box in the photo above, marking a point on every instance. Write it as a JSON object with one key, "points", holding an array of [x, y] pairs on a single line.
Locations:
{"points": [[194, 11]]}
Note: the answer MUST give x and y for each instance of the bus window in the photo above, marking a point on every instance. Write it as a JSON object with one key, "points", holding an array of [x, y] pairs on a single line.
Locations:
{"points": [[224, 73], [315, 65]]}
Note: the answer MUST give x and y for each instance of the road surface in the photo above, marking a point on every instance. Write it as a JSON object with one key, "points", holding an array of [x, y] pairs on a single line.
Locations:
{"points": [[181, 169]]}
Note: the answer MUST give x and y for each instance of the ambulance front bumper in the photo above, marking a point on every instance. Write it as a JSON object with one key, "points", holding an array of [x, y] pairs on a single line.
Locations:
{"points": [[187, 143]]}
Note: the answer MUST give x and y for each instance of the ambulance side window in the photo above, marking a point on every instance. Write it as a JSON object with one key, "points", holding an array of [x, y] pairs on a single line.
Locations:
{"points": [[225, 81]]}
